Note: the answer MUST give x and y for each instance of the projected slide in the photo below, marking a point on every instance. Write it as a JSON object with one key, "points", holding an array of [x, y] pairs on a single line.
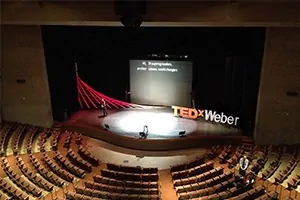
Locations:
{"points": [[164, 83]]}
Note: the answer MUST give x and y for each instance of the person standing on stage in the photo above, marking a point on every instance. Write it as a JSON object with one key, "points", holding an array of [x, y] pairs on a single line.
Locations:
{"points": [[104, 107], [193, 98], [244, 163]]}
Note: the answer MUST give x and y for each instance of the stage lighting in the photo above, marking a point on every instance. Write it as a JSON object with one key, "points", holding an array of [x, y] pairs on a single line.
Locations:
{"points": [[106, 126], [181, 133], [131, 21], [131, 12]]}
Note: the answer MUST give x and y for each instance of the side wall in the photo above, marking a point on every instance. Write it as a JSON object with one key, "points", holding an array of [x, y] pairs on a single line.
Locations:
{"points": [[25, 90], [278, 114]]}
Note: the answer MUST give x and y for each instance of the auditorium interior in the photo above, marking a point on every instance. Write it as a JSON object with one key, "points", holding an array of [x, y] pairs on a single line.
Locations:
{"points": [[202, 100]]}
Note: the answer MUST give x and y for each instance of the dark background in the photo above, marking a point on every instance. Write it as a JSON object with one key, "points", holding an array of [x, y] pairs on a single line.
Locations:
{"points": [[227, 63]]}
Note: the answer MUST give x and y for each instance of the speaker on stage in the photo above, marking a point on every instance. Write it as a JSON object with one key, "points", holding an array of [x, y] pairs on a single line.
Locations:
{"points": [[106, 126], [181, 133]]}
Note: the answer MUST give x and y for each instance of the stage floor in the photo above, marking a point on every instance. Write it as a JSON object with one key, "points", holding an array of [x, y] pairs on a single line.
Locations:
{"points": [[161, 122], [126, 124]]}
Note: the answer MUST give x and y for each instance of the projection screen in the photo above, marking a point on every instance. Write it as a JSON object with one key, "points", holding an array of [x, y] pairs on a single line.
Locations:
{"points": [[161, 83]]}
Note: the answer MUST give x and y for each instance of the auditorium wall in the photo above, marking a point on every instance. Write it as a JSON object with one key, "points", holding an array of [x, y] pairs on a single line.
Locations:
{"points": [[278, 114], [25, 90]]}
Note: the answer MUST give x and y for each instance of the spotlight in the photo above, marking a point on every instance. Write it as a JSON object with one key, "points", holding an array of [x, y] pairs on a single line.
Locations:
{"points": [[106, 126], [144, 134], [131, 12], [181, 133], [131, 21]]}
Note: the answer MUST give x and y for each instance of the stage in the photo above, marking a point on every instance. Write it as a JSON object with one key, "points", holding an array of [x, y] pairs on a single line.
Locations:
{"points": [[122, 127]]}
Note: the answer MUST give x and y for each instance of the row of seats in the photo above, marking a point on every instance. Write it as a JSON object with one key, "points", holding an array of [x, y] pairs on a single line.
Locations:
{"points": [[213, 152], [31, 175], [236, 156], [250, 194], [295, 181], [48, 175], [225, 153], [136, 184], [120, 189], [4, 196], [42, 142], [57, 169], [55, 136], [193, 171], [68, 165], [13, 191], [20, 181], [199, 178], [129, 176], [267, 173], [113, 195], [29, 138], [79, 161], [16, 138], [4, 135], [67, 139], [86, 155], [189, 165], [136, 170], [225, 193], [207, 191], [287, 171], [204, 184], [272, 195]]}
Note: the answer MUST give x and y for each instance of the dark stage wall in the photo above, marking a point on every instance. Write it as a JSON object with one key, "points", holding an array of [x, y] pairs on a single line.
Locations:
{"points": [[227, 62]]}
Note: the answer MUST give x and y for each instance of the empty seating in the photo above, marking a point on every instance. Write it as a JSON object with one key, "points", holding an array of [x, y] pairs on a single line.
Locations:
{"points": [[213, 152], [225, 153], [295, 181], [129, 176], [113, 195], [120, 189], [37, 180], [57, 169], [207, 191], [194, 180], [190, 165], [48, 175], [235, 158], [127, 169], [4, 135], [86, 155], [16, 137], [193, 171], [204, 184], [12, 190], [272, 195], [273, 166], [287, 171], [68, 165], [79, 161], [250, 194], [199, 178], [20, 181], [137, 184]]}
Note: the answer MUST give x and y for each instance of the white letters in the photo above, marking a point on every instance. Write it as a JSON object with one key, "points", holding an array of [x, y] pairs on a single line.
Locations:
{"points": [[235, 121], [217, 118], [223, 118], [213, 116], [230, 120], [209, 115]]}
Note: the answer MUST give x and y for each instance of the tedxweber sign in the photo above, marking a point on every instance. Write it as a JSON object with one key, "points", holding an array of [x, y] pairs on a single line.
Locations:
{"points": [[208, 115]]}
